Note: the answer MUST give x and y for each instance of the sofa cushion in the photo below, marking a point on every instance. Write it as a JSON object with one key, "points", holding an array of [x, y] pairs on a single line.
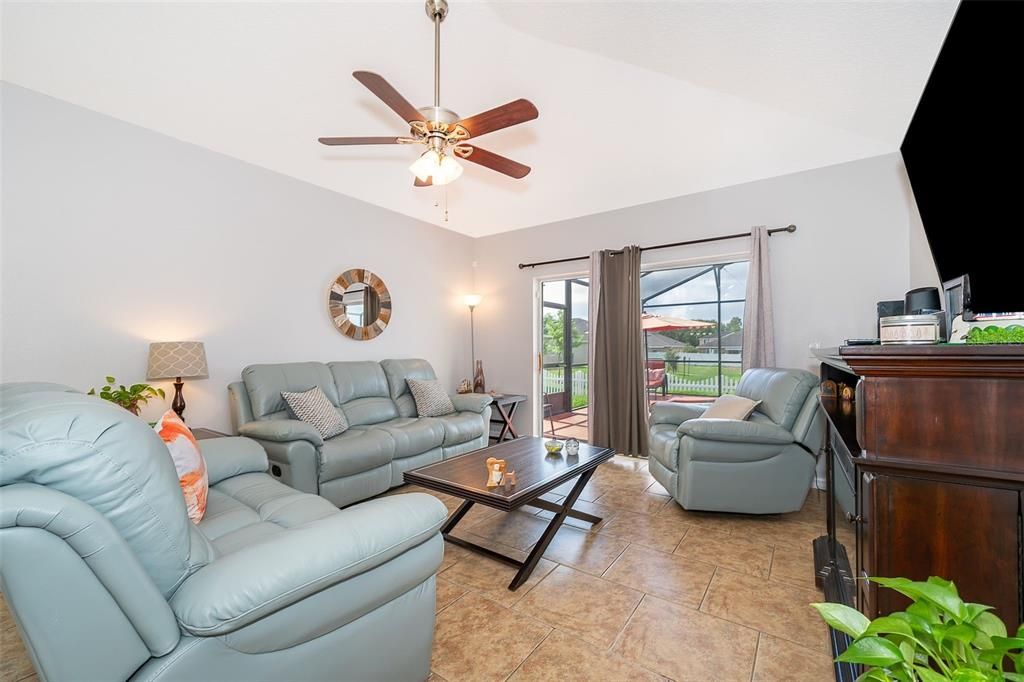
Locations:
{"points": [[357, 450], [264, 384], [363, 392], [461, 427], [413, 435], [397, 372], [253, 507], [315, 409]]}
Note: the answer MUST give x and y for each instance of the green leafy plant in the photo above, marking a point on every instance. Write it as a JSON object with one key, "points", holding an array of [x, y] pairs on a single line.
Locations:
{"points": [[1013, 333], [129, 398], [938, 638], [672, 359]]}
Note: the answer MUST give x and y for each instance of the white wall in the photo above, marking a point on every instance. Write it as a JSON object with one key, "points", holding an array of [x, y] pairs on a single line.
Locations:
{"points": [[114, 236], [852, 248]]}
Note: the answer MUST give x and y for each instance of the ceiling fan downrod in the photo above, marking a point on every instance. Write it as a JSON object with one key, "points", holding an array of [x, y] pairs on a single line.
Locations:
{"points": [[437, 10]]}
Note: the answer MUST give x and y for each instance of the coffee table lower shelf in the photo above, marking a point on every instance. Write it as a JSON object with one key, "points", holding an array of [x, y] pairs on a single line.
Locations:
{"points": [[562, 511]]}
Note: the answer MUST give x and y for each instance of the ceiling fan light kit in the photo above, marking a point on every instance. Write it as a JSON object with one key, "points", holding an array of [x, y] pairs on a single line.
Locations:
{"points": [[441, 130]]}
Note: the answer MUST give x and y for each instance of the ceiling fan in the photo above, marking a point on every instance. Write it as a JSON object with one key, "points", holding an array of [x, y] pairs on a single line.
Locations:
{"points": [[441, 130]]}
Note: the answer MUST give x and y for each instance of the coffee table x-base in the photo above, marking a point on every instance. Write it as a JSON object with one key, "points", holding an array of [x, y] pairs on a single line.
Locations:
{"points": [[537, 473]]}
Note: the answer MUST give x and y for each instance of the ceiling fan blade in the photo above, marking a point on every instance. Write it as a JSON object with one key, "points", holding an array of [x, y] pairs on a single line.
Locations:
{"points": [[422, 183], [388, 95], [334, 141], [506, 115], [493, 161]]}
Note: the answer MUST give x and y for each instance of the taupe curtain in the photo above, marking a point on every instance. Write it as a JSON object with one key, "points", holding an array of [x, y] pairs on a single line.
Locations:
{"points": [[758, 329], [618, 397]]}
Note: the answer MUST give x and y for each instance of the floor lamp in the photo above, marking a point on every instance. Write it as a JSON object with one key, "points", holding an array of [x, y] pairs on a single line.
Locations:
{"points": [[472, 300]]}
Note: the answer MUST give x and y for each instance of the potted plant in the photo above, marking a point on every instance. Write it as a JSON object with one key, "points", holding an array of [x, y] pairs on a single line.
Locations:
{"points": [[129, 398], [938, 638]]}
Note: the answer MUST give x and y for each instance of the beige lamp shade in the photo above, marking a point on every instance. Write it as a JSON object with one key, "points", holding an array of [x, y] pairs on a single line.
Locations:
{"points": [[173, 359]]}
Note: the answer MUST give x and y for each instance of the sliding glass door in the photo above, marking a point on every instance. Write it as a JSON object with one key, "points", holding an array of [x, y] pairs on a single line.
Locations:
{"points": [[565, 333], [694, 342]]}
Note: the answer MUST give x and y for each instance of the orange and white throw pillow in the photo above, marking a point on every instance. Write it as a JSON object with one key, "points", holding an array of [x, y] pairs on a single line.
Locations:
{"points": [[188, 462]]}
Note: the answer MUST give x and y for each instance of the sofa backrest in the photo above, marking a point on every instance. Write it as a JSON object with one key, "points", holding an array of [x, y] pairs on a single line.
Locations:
{"points": [[264, 384], [108, 458], [363, 392], [782, 392], [367, 392], [397, 372]]}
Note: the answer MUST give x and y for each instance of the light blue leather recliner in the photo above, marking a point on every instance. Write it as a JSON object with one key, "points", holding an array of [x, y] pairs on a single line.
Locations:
{"points": [[108, 579], [386, 436], [760, 466]]}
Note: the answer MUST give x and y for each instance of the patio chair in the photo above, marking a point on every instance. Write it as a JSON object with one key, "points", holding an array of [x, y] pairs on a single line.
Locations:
{"points": [[657, 377]]}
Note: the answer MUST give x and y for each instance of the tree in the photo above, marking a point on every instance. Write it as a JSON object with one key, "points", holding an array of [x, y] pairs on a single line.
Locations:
{"points": [[554, 333], [733, 325], [672, 359]]}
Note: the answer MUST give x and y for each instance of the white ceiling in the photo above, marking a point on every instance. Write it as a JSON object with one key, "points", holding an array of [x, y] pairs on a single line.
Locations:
{"points": [[638, 101]]}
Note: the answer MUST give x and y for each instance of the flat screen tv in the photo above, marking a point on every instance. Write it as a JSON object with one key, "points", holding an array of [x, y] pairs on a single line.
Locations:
{"points": [[964, 153]]}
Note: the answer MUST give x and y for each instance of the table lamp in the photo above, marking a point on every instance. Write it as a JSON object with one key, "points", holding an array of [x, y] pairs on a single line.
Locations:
{"points": [[177, 360]]}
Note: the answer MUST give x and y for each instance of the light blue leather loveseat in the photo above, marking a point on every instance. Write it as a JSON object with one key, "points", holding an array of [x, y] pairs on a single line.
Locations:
{"points": [[763, 465], [386, 436], [109, 580]]}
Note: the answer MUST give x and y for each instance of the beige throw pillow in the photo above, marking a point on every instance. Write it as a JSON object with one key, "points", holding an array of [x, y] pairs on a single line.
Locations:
{"points": [[730, 407]]}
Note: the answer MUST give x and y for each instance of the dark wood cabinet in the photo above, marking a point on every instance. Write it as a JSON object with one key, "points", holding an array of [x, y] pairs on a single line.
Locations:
{"points": [[941, 472]]}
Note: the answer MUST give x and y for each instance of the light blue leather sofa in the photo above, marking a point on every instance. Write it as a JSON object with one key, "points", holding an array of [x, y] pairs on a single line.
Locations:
{"points": [[760, 466], [386, 436], [109, 580]]}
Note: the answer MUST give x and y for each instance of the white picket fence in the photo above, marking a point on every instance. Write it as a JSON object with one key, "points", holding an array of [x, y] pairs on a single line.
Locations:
{"points": [[554, 382]]}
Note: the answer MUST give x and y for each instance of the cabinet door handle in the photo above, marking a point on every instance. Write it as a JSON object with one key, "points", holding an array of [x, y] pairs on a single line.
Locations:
{"points": [[858, 519]]}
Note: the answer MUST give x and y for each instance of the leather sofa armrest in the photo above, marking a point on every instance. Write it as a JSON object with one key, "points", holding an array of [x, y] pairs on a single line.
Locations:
{"points": [[736, 431], [228, 457], [255, 581], [281, 431], [675, 413], [471, 402]]}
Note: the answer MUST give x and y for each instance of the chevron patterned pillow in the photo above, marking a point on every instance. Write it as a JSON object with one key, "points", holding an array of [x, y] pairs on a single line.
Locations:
{"points": [[314, 408], [431, 398]]}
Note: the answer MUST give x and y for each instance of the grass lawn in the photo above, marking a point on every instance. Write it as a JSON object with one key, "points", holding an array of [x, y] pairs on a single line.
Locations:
{"points": [[704, 371], [689, 372]]}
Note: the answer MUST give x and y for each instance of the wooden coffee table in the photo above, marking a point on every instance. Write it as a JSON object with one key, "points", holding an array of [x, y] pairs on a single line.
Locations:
{"points": [[537, 473]]}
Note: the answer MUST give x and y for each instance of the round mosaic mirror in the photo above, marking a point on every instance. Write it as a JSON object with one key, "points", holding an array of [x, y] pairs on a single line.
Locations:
{"points": [[360, 304]]}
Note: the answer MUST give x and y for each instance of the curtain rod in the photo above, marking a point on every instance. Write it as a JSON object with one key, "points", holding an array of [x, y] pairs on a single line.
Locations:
{"points": [[774, 230]]}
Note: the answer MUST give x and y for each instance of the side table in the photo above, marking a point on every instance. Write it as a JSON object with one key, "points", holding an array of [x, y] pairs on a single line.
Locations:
{"points": [[505, 406]]}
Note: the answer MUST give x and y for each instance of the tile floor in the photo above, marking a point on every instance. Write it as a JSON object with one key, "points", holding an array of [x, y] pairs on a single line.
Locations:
{"points": [[654, 592]]}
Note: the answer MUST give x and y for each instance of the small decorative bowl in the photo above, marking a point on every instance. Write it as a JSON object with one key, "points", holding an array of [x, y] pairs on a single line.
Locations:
{"points": [[553, 446]]}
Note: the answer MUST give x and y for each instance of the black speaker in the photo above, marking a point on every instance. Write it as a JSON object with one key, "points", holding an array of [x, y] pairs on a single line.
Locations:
{"points": [[888, 309]]}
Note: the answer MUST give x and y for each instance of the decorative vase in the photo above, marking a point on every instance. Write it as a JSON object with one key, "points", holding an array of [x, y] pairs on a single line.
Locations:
{"points": [[478, 378]]}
